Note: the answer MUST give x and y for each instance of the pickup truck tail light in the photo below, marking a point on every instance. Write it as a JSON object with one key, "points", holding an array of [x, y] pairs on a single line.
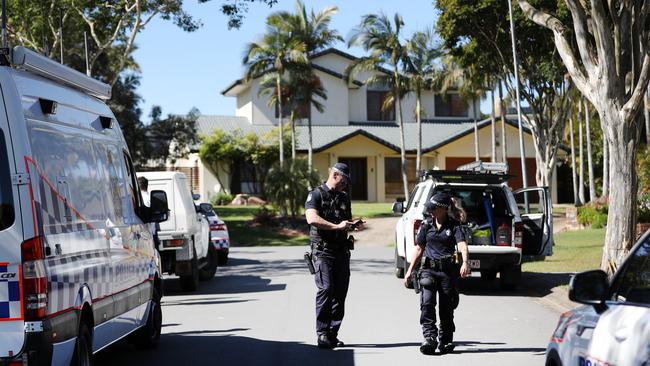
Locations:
{"points": [[519, 235], [416, 227]]}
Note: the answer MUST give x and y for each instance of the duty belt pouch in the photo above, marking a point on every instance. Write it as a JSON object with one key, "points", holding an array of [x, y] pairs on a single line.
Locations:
{"points": [[426, 280]]}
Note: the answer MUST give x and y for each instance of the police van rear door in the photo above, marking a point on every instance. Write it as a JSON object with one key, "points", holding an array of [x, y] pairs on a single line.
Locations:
{"points": [[536, 210], [11, 236]]}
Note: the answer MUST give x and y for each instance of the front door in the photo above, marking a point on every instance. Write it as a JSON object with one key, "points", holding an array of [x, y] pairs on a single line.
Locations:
{"points": [[359, 174]]}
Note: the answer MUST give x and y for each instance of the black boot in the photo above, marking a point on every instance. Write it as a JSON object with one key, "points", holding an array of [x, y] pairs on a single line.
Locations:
{"points": [[324, 342], [429, 345], [446, 348], [335, 341]]}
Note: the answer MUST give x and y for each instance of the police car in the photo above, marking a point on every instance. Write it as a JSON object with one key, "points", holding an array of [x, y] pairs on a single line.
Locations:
{"points": [[219, 236], [78, 269], [501, 225], [613, 327]]}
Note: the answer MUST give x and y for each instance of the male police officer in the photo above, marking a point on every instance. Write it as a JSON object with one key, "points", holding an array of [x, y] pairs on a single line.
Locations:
{"points": [[328, 212]]}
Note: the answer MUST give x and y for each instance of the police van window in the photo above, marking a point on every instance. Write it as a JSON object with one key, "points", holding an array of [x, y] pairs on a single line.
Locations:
{"points": [[633, 283], [7, 214], [132, 183], [113, 187]]}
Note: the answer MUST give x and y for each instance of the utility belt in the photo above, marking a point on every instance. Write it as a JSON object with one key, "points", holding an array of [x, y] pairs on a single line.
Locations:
{"points": [[442, 264], [345, 244]]}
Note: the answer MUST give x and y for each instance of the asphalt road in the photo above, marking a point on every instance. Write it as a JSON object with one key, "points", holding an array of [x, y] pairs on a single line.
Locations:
{"points": [[259, 310]]}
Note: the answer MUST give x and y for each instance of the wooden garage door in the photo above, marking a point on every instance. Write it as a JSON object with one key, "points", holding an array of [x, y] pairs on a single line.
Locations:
{"points": [[514, 164]]}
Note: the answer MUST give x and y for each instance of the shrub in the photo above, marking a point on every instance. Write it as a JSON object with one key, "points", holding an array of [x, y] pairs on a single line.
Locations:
{"points": [[643, 213], [264, 216], [287, 186], [594, 214], [222, 198]]}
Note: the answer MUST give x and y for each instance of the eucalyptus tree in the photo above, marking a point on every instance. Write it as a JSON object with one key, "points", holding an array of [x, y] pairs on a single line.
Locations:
{"points": [[420, 68], [607, 54], [382, 38], [590, 157], [270, 57], [313, 30], [477, 35]]}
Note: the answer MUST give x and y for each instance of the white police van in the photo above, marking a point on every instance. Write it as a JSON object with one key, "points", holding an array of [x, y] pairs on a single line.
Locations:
{"points": [[78, 270]]}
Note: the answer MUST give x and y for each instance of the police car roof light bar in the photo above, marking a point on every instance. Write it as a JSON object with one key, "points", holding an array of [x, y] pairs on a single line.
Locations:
{"points": [[479, 166], [43, 66]]}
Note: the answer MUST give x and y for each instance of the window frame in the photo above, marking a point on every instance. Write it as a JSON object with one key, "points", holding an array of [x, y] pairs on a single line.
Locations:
{"points": [[384, 115], [447, 100]]}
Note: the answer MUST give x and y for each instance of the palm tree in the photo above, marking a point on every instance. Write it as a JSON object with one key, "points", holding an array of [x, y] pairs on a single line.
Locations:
{"points": [[313, 30], [271, 56], [381, 37], [420, 67]]}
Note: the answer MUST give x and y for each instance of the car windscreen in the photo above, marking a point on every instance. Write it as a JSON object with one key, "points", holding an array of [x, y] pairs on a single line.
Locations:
{"points": [[7, 214], [633, 283], [474, 200]]}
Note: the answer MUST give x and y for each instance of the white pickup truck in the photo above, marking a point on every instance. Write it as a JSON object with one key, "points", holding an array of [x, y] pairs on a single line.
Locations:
{"points": [[185, 247]]}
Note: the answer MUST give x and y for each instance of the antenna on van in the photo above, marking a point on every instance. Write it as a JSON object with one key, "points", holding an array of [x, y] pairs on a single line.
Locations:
{"points": [[4, 50], [61, 31], [86, 47]]}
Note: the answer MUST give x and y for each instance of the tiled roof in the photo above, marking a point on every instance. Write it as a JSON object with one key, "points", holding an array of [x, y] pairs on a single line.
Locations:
{"points": [[434, 134]]}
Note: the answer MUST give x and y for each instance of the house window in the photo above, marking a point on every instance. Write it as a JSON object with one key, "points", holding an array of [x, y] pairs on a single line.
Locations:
{"points": [[450, 105], [302, 112], [375, 99], [393, 175]]}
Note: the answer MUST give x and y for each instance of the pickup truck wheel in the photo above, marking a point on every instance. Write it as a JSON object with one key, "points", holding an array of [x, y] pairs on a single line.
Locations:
{"points": [[399, 264], [148, 336], [510, 277], [207, 272], [488, 275], [191, 282]]}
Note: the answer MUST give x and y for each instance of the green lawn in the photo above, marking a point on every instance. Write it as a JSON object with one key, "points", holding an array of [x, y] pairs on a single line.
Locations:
{"points": [[369, 210], [574, 251], [243, 234]]}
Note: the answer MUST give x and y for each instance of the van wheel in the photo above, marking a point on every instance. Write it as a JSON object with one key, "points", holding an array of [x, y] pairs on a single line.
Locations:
{"points": [[191, 282], [399, 265], [207, 272], [148, 336], [510, 277], [488, 275], [83, 354]]}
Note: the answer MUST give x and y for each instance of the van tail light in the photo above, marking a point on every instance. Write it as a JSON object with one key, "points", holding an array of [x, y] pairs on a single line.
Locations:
{"points": [[34, 279], [218, 227], [416, 227], [519, 235]]}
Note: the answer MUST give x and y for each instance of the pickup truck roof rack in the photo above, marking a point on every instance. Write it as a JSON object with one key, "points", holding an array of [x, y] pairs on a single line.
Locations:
{"points": [[465, 176], [484, 167]]}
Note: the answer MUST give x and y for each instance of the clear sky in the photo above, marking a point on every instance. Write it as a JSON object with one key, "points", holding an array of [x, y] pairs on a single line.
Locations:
{"points": [[182, 70]]}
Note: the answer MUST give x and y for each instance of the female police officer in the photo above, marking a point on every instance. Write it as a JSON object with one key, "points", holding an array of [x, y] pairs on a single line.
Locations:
{"points": [[437, 238]]}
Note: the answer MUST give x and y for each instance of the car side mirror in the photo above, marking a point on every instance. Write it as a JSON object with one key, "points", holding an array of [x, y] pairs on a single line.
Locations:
{"points": [[398, 207], [590, 288], [159, 210], [196, 196]]}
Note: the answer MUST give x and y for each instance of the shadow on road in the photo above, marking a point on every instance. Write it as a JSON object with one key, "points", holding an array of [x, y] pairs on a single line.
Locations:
{"points": [[533, 284], [212, 348]]}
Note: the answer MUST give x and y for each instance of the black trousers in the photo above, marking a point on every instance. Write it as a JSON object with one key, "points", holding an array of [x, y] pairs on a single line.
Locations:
{"points": [[445, 289], [332, 280]]}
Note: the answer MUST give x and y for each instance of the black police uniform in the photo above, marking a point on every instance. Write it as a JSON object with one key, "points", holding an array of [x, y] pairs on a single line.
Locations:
{"points": [[438, 265], [332, 259]]}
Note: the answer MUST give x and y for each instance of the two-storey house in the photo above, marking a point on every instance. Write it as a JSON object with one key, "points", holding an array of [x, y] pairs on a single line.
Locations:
{"points": [[354, 129]]}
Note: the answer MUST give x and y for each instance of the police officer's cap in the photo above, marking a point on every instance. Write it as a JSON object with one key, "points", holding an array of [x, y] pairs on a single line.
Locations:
{"points": [[440, 199], [342, 168]]}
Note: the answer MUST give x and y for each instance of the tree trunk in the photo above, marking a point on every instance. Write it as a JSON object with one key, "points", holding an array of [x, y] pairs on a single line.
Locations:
{"points": [[403, 149], [621, 222], [605, 167], [504, 141], [280, 120], [476, 152], [494, 129], [590, 163], [293, 135], [576, 198], [581, 172], [310, 151], [418, 117]]}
